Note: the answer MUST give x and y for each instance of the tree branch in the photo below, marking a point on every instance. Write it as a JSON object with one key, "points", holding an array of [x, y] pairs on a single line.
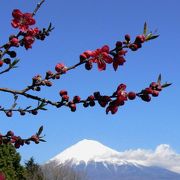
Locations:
{"points": [[37, 7]]}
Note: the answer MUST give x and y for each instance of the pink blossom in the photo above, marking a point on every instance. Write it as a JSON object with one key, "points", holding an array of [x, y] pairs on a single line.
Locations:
{"points": [[101, 57], [22, 20]]}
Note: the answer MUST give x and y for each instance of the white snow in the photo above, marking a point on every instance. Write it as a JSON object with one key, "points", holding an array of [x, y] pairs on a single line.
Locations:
{"points": [[88, 150]]}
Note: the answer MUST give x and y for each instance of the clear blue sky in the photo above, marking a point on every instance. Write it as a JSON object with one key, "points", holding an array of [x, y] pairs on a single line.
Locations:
{"points": [[89, 24]]}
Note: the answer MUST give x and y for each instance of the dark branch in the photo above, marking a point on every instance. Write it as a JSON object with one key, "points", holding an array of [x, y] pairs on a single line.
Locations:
{"points": [[37, 7]]}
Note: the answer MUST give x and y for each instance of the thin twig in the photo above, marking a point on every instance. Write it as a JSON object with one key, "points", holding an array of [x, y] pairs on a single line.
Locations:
{"points": [[37, 7], [15, 92], [68, 69], [6, 70]]}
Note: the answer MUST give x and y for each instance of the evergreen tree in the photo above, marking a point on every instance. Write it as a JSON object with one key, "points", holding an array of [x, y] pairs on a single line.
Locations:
{"points": [[10, 163], [33, 170]]}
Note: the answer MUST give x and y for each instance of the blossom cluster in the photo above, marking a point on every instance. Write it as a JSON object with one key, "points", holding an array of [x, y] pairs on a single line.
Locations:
{"points": [[17, 141], [101, 56], [25, 38], [153, 89], [23, 21], [114, 101], [116, 56]]}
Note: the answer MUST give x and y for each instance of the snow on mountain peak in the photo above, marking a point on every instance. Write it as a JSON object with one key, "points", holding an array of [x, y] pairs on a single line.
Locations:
{"points": [[92, 152], [87, 150], [99, 162]]}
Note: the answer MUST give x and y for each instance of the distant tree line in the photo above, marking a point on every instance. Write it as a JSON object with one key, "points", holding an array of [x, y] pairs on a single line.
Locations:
{"points": [[11, 168], [61, 172]]}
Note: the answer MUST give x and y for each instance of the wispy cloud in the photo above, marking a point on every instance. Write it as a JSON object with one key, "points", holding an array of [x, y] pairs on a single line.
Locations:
{"points": [[163, 156]]}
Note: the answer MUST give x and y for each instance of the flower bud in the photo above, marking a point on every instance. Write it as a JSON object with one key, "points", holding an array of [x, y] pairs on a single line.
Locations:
{"points": [[10, 133], [9, 113], [92, 103], [49, 73], [146, 97], [154, 85], [34, 138], [140, 39], [97, 95], [34, 112], [127, 37], [133, 47], [85, 104], [91, 98], [88, 65], [60, 68], [118, 44], [65, 97], [73, 107], [76, 99], [12, 54], [57, 77], [48, 83], [63, 92], [7, 60], [131, 95], [17, 145], [22, 113], [148, 91], [14, 42]]}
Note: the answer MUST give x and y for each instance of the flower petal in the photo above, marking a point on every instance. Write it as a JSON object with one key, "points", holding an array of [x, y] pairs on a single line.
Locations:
{"points": [[17, 14], [101, 65], [15, 23], [105, 48]]}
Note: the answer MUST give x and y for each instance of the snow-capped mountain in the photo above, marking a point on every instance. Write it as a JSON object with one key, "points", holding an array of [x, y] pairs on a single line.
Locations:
{"points": [[99, 162], [87, 151]]}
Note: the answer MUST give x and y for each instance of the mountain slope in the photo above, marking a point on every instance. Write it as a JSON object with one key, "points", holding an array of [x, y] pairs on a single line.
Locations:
{"points": [[88, 150], [103, 163]]}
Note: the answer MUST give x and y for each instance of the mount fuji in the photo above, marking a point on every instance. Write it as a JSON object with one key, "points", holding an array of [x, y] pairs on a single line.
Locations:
{"points": [[100, 162]]}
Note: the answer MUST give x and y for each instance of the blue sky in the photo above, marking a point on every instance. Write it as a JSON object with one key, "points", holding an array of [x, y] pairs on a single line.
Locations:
{"points": [[81, 25]]}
